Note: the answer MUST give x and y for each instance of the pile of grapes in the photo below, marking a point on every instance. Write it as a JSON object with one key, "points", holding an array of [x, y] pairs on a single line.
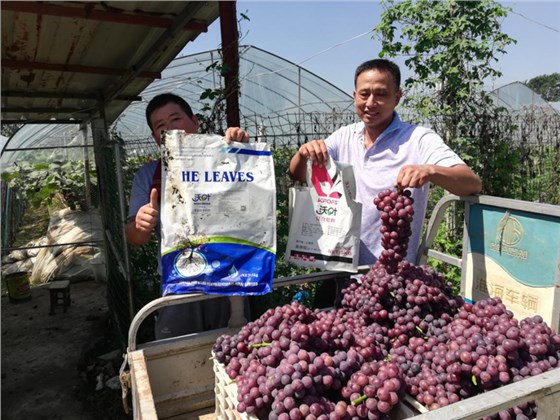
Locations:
{"points": [[400, 330]]}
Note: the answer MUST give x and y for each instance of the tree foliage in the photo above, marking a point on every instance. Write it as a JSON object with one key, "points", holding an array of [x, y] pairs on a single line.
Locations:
{"points": [[547, 85], [451, 47]]}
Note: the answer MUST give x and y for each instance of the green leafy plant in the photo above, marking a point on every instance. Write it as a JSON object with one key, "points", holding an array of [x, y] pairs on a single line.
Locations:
{"points": [[51, 183], [451, 47], [546, 85], [451, 245]]}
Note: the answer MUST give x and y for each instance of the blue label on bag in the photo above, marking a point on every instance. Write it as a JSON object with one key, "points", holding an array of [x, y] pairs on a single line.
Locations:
{"points": [[219, 268]]}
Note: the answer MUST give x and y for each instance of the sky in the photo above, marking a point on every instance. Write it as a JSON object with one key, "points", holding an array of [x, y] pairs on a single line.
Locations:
{"points": [[331, 38]]}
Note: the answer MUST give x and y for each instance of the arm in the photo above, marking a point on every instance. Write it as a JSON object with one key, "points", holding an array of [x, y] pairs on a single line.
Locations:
{"points": [[457, 179], [315, 150], [139, 229]]}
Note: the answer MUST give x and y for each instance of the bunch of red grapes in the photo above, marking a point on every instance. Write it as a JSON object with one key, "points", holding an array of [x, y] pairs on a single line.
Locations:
{"points": [[407, 303], [482, 348], [396, 213], [400, 328], [373, 390], [291, 359]]}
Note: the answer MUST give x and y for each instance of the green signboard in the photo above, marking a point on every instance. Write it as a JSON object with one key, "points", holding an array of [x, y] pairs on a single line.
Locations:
{"points": [[525, 245]]}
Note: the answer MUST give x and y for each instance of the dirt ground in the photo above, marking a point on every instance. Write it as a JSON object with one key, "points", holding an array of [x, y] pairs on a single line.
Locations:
{"points": [[55, 366]]}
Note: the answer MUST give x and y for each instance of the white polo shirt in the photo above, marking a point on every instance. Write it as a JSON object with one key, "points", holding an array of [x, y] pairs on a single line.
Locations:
{"points": [[377, 168]]}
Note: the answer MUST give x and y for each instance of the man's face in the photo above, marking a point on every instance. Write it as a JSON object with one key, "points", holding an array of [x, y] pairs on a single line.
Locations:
{"points": [[171, 117], [376, 97]]}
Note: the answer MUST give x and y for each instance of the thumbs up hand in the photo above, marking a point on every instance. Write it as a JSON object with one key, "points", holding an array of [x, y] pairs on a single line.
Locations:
{"points": [[147, 216], [154, 199]]}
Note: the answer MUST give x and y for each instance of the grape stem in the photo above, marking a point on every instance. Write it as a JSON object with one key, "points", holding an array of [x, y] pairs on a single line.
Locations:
{"points": [[359, 400], [257, 345], [421, 331]]}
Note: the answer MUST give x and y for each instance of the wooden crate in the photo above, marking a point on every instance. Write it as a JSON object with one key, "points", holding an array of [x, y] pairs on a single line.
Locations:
{"points": [[226, 396]]}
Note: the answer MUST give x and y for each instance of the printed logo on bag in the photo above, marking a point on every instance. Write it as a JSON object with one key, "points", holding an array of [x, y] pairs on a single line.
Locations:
{"points": [[325, 219], [201, 198], [190, 263], [329, 211], [324, 185], [233, 272]]}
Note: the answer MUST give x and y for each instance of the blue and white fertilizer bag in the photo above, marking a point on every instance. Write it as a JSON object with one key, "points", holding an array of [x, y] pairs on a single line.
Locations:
{"points": [[218, 215]]}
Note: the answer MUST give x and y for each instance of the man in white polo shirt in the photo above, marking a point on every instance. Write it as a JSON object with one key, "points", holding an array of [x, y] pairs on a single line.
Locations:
{"points": [[386, 152]]}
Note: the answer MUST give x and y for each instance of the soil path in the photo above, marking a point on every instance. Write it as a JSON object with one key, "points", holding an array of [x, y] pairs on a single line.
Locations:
{"points": [[49, 362]]}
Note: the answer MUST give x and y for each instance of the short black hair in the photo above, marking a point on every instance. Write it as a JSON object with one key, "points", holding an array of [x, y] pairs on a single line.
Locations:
{"points": [[164, 99], [380, 64]]}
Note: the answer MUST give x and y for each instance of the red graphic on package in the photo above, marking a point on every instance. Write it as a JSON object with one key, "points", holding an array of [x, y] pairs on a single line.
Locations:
{"points": [[324, 184]]}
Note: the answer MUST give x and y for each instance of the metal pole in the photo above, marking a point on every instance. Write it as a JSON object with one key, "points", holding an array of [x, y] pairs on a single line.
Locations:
{"points": [[101, 140], [87, 181], [230, 49]]}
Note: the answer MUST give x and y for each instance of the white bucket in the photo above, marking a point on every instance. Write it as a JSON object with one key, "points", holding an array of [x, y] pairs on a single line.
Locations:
{"points": [[97, 263]]}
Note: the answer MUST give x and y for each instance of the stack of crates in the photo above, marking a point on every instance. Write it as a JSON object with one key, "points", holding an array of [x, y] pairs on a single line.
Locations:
{"points": [[226, 396]]}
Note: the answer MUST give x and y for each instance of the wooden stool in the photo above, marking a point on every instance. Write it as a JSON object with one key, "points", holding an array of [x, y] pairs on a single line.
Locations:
{"points": [[60, 294]]}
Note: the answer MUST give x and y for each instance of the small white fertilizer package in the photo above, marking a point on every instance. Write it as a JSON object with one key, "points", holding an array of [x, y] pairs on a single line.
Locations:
{"points": [[218, 215], [325, 219]]}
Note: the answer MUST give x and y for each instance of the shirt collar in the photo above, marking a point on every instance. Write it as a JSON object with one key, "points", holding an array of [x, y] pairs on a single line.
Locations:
{"points": [[394, 126]]}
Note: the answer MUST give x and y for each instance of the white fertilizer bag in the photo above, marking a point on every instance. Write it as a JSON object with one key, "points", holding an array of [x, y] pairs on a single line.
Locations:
{"points": [[218, 215], [325, 219]]}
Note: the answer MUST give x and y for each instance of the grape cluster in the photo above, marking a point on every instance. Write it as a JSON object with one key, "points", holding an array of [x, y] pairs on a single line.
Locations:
{"points": [[272, 325], [396, 213], [373, 390], [407, 302], [400, 329], [482, 348], [287, 361]]}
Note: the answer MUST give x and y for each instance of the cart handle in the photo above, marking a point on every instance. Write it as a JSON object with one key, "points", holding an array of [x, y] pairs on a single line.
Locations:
{"points": [[236, 318], [156, 304]]}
